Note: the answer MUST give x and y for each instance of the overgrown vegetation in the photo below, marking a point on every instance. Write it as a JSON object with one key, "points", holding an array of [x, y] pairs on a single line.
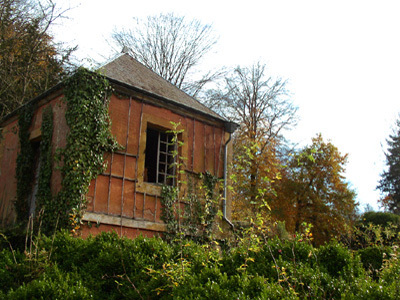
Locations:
{"points": [[260, 261], [89, 137], [30, 60], [44, 199], [87, 97], [25, 164], [197, 210], [252, 267], [192, 213]]}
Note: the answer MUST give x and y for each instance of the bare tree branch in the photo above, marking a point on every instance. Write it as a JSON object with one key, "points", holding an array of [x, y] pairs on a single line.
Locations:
{"points": [[30, 62], [261, 105], [171, 46]]}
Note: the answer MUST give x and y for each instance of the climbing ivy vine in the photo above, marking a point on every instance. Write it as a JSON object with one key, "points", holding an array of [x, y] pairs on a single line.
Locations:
{"points": [[25, 164], [87, 97], [200, 202], [198, 216], [202, 205], [45, 204]]}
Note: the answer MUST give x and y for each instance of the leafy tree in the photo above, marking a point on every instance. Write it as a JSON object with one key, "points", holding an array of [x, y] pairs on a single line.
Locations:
{"points": [[251, 194], [30, 62], [171, 46], [313, 190], [260, 104], [389, 184], [380, 218]]}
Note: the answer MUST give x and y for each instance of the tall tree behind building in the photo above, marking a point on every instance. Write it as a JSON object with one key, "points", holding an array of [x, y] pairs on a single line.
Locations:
{"points": [[389, 184], [171, 46], [260, 104], [30, 62], [313, 189]]}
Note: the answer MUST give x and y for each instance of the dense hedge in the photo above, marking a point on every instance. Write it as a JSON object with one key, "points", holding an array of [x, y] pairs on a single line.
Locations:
{"points": [[109, 267], [380, 218]]}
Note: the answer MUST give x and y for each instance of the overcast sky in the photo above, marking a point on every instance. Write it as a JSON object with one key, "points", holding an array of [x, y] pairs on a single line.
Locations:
{"points": [[341, 58]]}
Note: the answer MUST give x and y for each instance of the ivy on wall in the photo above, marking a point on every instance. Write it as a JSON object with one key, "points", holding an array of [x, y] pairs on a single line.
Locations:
{"points": [[169, 201], [25, 164], [198, 216], [87, 97], [45, 206]]}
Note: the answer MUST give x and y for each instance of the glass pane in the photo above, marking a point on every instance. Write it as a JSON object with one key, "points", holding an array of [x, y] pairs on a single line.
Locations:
{"points": [[163, 137], [163, 147], [161, 178], [163, 158], [171, 148]]}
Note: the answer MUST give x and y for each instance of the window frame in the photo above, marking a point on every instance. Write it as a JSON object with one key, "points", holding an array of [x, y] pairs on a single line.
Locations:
{"points": [[165, 167], [161, 123]]}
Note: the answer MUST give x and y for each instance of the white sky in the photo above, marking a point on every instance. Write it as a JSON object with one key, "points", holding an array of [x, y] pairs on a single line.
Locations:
{"points": [[342, 60]]}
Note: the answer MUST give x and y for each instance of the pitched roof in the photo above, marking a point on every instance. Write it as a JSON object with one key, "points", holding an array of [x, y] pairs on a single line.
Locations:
{"points": [[127, 70]]}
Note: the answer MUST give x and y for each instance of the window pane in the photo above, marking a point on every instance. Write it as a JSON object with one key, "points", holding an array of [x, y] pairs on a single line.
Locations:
{"points": [[163, 137], [163, 147], [161, 178], [159, 158], [151, 154], [163, 157]]}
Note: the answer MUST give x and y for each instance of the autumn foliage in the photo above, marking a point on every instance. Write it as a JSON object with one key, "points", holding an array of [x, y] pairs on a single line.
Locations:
{"points": [[313, 190], [30, 61], [254, 171]]}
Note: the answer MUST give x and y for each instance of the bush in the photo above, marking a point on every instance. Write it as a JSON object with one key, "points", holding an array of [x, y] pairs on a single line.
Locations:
{"points": [[380, 218], [12, 273], [389, 276], [240, 286], [337, 260], [16, 236], [54, 284], [372, 258], [110, 267], [109, 263]]}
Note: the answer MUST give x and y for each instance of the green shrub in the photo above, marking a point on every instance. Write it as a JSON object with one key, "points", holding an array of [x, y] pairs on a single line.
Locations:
{"points": [[389, 276], [54, 284], [380, 218], [13, 273], [110, 267], [239, 286], [372, 258], [16, 236], [334, 258], [366, 288], [108, 263], [365, 235]]}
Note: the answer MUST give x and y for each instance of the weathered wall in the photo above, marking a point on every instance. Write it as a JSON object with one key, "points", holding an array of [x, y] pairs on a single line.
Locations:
{"points": [[9, 149], [118, 198], [120, 190]]}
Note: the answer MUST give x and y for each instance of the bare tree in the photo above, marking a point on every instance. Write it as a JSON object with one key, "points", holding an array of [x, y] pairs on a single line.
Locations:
{"points": [[256, 101], [171, 46], [261, 105], [30, 62]]}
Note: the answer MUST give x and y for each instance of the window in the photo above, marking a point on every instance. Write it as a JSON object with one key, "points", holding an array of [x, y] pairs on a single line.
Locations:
{"points": [[159, 158]]}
